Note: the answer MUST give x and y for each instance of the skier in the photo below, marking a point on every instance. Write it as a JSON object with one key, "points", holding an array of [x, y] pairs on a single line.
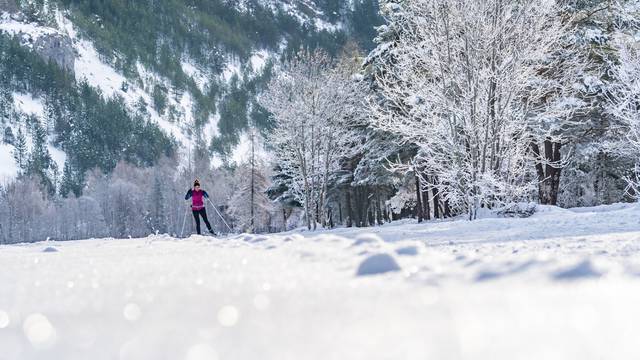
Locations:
{"points": [[197, 197]]}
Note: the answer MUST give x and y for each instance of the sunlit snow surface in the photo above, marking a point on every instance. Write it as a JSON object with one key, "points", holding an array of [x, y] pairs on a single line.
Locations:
{"points": [[561, 285]]}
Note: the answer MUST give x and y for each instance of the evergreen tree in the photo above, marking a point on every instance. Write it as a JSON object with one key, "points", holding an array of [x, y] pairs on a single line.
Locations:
{"points": [[20, 152], [363, 20], [8, 137], [71, 182], [40, 162], [6, 101]]}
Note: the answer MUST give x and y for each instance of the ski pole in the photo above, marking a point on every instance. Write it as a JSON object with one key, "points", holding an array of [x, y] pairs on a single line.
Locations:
{"points": [[184, 221], [220, 215]]}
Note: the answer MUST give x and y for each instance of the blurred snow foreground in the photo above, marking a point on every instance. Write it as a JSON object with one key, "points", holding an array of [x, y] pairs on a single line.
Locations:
{"points": [[562, 284]]}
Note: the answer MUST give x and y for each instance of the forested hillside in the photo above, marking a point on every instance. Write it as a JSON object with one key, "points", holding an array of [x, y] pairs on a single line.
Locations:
{"points": [[194, 67]]}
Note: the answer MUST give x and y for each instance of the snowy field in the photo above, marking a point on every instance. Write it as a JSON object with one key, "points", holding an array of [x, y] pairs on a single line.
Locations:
{"points": [[563, 284]]}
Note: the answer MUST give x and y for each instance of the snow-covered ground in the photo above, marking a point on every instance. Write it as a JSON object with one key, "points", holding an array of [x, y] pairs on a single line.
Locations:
{"points": [[562, 284]]}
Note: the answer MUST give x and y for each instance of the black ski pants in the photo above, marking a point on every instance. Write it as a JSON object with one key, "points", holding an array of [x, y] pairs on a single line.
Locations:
{"points": [[197, 214]]}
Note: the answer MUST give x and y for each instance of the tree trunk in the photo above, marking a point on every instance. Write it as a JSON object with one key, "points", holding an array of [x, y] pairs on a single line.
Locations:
{"points": [[418, 199], [284, 219], [447, 209], [349, 208], [378, 209], [548, 170], [436, 203], [387, 218], [425, 204]]}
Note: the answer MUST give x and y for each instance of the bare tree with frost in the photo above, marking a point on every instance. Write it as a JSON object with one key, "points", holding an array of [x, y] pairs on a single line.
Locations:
{"points": [[310, 102]]}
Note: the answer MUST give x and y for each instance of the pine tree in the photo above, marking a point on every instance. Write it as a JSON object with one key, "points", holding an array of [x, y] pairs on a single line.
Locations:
{"points": [[53, 115], [71, 182], [8, 137], [40, 162], [20, 152], [6, 102]]}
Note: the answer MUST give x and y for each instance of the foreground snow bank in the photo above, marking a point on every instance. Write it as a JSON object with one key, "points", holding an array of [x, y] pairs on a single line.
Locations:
{"points": [[557, 285]]}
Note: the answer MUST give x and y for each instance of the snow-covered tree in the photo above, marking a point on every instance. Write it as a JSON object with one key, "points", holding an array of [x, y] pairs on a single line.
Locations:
{"points": [[584, 146], [8, 137], [309, 101], [466, 69], [249, 205], [40, 162], [21, 152], [625, 103]]}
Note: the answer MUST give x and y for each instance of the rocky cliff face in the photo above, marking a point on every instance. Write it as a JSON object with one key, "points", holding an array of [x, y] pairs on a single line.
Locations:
{"points": [[57, 48], [48, 42]]}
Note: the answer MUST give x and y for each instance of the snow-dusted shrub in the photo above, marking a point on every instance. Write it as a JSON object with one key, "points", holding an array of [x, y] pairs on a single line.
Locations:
{"points": [[377, 264], [404, 198], [520, 210]]}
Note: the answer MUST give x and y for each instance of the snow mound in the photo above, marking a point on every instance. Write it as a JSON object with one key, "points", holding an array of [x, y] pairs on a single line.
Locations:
{"points": [[377, 264], [257, 238], [582, 270], [407, 250], [550, 210], [605, 208], [512, 269], [367, 238], [49, 249]]}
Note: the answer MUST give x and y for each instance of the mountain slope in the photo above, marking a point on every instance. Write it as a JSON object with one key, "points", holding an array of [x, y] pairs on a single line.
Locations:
{"points": [[191, 67]]}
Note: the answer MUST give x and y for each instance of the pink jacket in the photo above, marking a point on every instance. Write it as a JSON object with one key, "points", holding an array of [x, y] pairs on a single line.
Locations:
{"points": [[197, 198]]}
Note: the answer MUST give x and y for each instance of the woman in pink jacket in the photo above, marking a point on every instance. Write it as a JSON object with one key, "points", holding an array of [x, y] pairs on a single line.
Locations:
{"points": [[197, 197]]}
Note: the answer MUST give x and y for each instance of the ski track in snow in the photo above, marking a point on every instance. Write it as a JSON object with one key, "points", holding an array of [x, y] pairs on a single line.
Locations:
{"points": [[562, 284]]}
